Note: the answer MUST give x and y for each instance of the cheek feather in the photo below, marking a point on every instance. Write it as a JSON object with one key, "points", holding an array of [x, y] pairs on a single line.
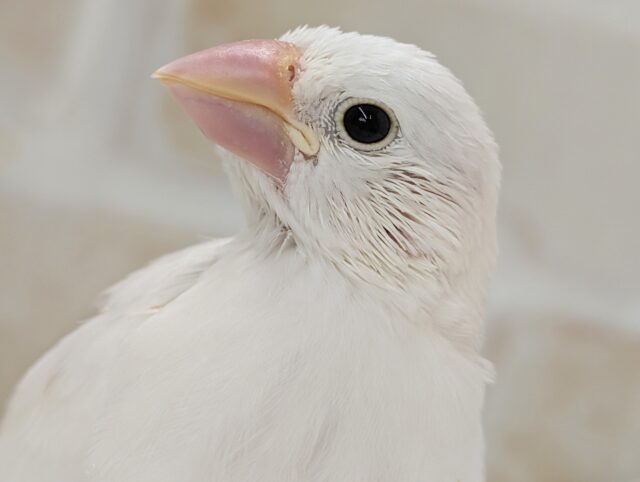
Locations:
{"points": [[404, 224]]}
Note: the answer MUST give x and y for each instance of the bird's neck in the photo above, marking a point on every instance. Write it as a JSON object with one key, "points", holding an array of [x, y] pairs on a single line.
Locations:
{"points": [[450, 305], [371, 368]]}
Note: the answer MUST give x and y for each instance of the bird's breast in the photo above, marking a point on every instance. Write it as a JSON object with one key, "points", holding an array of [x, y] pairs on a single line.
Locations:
{"points": [[269, 368]]}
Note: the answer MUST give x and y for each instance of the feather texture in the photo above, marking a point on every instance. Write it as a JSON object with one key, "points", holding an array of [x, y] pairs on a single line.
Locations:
{"points": [[335, 339]]}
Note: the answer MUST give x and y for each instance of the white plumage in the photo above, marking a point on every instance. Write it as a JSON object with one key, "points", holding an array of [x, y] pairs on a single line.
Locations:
{"points": [[335, 339]]}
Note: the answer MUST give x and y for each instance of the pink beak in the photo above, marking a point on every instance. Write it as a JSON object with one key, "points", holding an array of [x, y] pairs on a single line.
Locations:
{"points": [[239, 94]]}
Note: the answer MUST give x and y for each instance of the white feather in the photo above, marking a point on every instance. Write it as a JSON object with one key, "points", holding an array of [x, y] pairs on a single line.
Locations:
{"points": [[335, 339]]}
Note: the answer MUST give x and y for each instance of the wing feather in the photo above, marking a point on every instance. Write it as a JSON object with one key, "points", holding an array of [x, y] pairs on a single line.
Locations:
{"points": [[49, 421]]}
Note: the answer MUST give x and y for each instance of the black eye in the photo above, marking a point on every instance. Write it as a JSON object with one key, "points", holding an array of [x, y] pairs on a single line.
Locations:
{"points": [[366, 123]]}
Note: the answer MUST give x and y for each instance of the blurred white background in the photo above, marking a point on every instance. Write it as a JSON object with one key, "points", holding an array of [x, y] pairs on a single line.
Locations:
{"points": [[100, 172]]}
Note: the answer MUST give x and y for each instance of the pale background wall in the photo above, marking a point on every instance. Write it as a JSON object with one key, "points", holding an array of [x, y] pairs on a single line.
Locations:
{"points": [[99, 172]]}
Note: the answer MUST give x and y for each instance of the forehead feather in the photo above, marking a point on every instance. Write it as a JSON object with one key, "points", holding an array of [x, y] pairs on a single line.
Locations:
{"points": [[360, 64]]}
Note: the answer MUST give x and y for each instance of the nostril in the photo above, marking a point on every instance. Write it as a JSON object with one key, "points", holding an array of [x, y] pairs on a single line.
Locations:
{"points": [[292, 72]]}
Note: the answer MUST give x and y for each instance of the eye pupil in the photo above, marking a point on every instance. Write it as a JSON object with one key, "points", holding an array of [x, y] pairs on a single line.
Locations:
{"points": [[367, 123]]}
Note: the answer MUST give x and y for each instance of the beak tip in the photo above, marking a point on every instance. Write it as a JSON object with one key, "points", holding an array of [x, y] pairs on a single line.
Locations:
{"points": [[164, 73]]}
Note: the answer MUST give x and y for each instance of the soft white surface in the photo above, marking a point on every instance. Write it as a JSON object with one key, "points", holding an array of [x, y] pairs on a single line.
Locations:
{"points": [[557, 81], [337, 337]]}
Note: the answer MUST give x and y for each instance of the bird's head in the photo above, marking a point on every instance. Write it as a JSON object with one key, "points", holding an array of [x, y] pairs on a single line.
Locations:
{"points": [[362, 151]]}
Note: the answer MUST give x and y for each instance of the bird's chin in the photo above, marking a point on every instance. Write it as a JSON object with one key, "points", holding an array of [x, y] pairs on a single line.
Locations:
{"points": [[249, 131]]}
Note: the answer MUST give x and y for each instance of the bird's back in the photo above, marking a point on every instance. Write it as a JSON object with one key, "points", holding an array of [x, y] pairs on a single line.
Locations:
{"points": [[50, 421]]}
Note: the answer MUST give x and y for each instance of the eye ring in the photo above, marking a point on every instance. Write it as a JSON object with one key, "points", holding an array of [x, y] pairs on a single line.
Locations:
{"points": [[366, 124]]}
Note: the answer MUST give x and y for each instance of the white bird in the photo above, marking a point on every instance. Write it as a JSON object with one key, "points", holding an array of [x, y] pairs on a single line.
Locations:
{"points": [[337, 337]]}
